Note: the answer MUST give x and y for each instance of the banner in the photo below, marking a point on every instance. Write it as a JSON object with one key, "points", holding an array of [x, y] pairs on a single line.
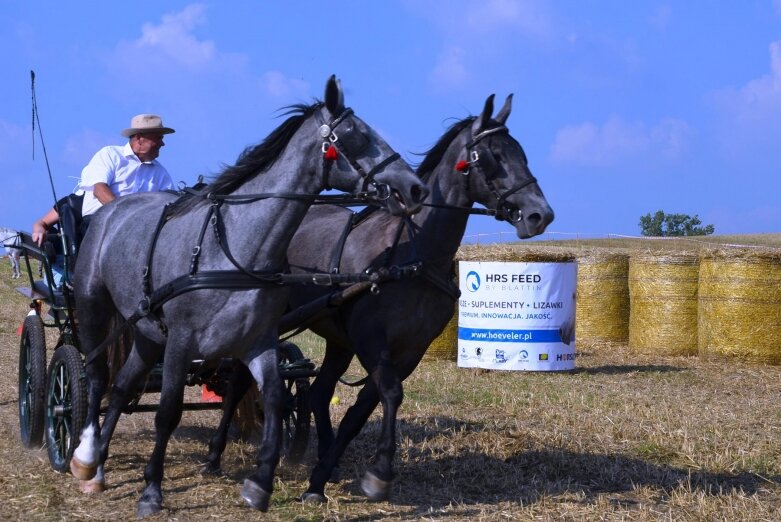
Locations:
{"points": [[517, 316]]}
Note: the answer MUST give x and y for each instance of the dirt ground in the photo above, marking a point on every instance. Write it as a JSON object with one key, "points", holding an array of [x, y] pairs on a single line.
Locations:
{"points": [[624, 437]]}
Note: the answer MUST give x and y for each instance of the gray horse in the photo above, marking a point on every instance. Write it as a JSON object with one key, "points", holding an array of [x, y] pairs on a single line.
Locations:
{"points": [[476, 160], [225, 248], [9, 238]]}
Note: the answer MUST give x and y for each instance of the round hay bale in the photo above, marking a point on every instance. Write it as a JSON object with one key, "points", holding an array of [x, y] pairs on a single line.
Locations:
{"points": [[663, 303], [446, 345], [740, 305], [602, 315]]}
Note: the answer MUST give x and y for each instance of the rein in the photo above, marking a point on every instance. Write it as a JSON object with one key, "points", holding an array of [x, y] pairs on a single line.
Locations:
{"points": [[243, 278]]}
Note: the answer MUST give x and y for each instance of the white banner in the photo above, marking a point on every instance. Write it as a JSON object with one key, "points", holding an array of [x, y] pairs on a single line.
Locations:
{"points": [[517, 316]]}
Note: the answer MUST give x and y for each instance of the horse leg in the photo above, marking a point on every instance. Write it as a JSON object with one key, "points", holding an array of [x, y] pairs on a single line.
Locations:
{"points": [[257, 488], [238, 387], [15, 266], [167, 419], [140, 361], [335, 364], [376, 482], [93, 317], [352, 423]]}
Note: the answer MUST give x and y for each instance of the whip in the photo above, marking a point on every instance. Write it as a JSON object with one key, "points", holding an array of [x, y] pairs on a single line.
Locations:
{"points": [[40, 133]]}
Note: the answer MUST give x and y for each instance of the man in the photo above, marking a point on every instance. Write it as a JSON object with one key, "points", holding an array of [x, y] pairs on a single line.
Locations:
{"points": [[116, 171]]}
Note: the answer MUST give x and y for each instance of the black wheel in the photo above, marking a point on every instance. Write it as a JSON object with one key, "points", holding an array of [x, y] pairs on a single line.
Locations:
{"points": [[297, 414], [66, 406], [32, 381]]}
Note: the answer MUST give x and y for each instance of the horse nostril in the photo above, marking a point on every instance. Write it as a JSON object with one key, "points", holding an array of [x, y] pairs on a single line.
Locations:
{"points": [[533, 219]]}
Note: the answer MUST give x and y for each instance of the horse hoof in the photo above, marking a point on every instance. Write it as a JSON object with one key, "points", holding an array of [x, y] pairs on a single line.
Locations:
{"points": [[255, 496], [82, 471], [210, 470], [92, 486], [147, 508], [374, 487], [313, 498]]}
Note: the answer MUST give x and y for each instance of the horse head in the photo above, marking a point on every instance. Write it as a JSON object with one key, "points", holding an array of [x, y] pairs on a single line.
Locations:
{"points": [[499, 176], [349, 145]]}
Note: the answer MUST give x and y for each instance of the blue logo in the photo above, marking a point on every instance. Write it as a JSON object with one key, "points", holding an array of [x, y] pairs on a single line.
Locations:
{"points": [[524, 355], [499, 357], [473, 281]]}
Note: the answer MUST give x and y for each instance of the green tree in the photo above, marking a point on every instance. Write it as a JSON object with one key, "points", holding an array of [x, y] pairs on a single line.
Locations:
{"points": [[660, 224]]}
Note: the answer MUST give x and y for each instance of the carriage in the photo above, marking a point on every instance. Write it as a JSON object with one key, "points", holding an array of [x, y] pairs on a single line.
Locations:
{"points": [[53, 395]]}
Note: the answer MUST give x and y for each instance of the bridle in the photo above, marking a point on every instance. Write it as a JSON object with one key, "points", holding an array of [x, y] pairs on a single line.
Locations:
{"points": [[480, 156], [349, 145]]}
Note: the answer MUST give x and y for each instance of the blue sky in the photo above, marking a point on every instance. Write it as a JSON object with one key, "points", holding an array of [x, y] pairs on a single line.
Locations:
{"points": [[623, 107]]}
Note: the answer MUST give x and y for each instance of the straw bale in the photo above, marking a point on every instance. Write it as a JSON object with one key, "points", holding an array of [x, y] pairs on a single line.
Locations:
{"points": [[740, 305], [602, 315], [520, 252], [446, 345], [663, 303]]}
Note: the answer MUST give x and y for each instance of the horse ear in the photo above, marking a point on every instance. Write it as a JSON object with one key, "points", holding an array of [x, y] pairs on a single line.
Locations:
{"points": [[334, 97], [504, 112], [485, 116]]}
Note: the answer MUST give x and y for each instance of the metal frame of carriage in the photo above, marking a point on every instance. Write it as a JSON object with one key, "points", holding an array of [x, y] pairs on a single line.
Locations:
{"points": [[53, 398]]}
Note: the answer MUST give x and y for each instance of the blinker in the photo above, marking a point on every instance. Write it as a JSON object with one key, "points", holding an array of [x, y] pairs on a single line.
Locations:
{"points": [[486, 162], [353, 141]]}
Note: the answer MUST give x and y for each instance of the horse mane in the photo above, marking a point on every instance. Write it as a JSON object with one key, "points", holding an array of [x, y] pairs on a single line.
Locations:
{"points": [[252, 161], [434, 155]]}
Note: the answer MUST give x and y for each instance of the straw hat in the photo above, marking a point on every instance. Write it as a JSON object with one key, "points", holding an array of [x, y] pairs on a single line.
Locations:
{"points": [[146, 123]]}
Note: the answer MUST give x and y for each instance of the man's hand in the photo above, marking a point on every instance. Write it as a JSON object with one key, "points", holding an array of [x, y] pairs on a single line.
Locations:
{"points": [[41, 226]]}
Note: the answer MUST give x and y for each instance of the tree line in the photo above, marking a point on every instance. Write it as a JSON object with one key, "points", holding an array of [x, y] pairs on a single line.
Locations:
{"points": [[661, 224]]}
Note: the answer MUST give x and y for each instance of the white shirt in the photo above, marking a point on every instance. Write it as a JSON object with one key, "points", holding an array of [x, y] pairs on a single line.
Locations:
{"points": [[119, 168]]}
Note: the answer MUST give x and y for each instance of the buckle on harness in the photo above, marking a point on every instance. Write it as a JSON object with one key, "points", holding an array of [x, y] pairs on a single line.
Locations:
{"points": [[322, 279]]}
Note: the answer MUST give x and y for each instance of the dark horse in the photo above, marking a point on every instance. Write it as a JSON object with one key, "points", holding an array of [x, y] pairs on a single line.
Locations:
{"points": [[225, 248], [475, 161]]}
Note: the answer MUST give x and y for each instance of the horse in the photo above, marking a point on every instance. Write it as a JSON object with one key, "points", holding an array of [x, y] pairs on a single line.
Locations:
{"points": [[10, 238], [475, 161], [233, 276]]}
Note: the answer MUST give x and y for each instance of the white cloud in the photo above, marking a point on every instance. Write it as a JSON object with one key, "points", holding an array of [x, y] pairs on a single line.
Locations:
{"points": [[661, 17], [750, 113], [617, 141], [449, 70], [760, 98], [11, 139], [171, 55], [530, 17], [277, 85], [172, 37], [81, 146]]}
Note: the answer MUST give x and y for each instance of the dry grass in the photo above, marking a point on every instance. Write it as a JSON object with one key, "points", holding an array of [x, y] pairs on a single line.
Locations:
{"points": [[625, 436]]}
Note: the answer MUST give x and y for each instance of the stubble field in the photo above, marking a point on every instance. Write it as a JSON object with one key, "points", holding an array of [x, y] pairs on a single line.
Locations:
{"points": [[624, 436]]}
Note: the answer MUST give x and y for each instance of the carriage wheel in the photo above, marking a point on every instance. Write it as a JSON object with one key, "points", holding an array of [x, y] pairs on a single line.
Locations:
{"points": [[32, 381], [66, 406], [298, 412]]}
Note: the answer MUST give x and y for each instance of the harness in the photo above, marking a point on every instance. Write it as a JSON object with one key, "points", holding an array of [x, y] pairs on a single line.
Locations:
{"points": [[349, 144], [480, 157]]}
